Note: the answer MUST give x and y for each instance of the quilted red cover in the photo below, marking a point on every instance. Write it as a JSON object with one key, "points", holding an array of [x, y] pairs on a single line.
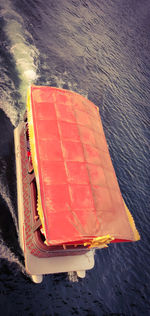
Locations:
{"points": [[80, 195]]}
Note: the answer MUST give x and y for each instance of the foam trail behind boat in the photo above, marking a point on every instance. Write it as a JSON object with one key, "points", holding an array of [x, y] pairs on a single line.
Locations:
{"points": [[5, 195], [23, 52], [9, 256]]}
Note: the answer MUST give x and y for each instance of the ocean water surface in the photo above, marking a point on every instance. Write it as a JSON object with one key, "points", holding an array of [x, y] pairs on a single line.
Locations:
{"points": [[99, 49]]}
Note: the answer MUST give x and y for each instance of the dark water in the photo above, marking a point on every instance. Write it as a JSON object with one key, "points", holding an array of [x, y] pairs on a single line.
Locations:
{"points": [[100, 49]]}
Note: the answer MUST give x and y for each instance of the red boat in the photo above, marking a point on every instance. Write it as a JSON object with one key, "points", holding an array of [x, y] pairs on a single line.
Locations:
{"points": [[69, 201]]}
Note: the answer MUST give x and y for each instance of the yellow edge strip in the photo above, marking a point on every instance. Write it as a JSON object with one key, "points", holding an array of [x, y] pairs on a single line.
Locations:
{"points": [[33, 155], [132, 224]]}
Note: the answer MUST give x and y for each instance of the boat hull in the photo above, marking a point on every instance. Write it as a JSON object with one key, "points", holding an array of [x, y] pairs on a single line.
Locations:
{"points": [[54, 262]]}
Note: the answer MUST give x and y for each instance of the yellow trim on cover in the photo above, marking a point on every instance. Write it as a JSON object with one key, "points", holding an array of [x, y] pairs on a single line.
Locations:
{"points": [[132, 224], [99, 242], [33, 155]]}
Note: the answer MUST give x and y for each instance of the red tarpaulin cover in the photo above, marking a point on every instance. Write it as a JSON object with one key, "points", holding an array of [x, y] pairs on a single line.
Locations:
{"points": [[79, 191]]}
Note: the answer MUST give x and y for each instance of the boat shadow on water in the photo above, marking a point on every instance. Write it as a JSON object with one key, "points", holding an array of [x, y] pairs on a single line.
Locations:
{"points": [[9, 243]]}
